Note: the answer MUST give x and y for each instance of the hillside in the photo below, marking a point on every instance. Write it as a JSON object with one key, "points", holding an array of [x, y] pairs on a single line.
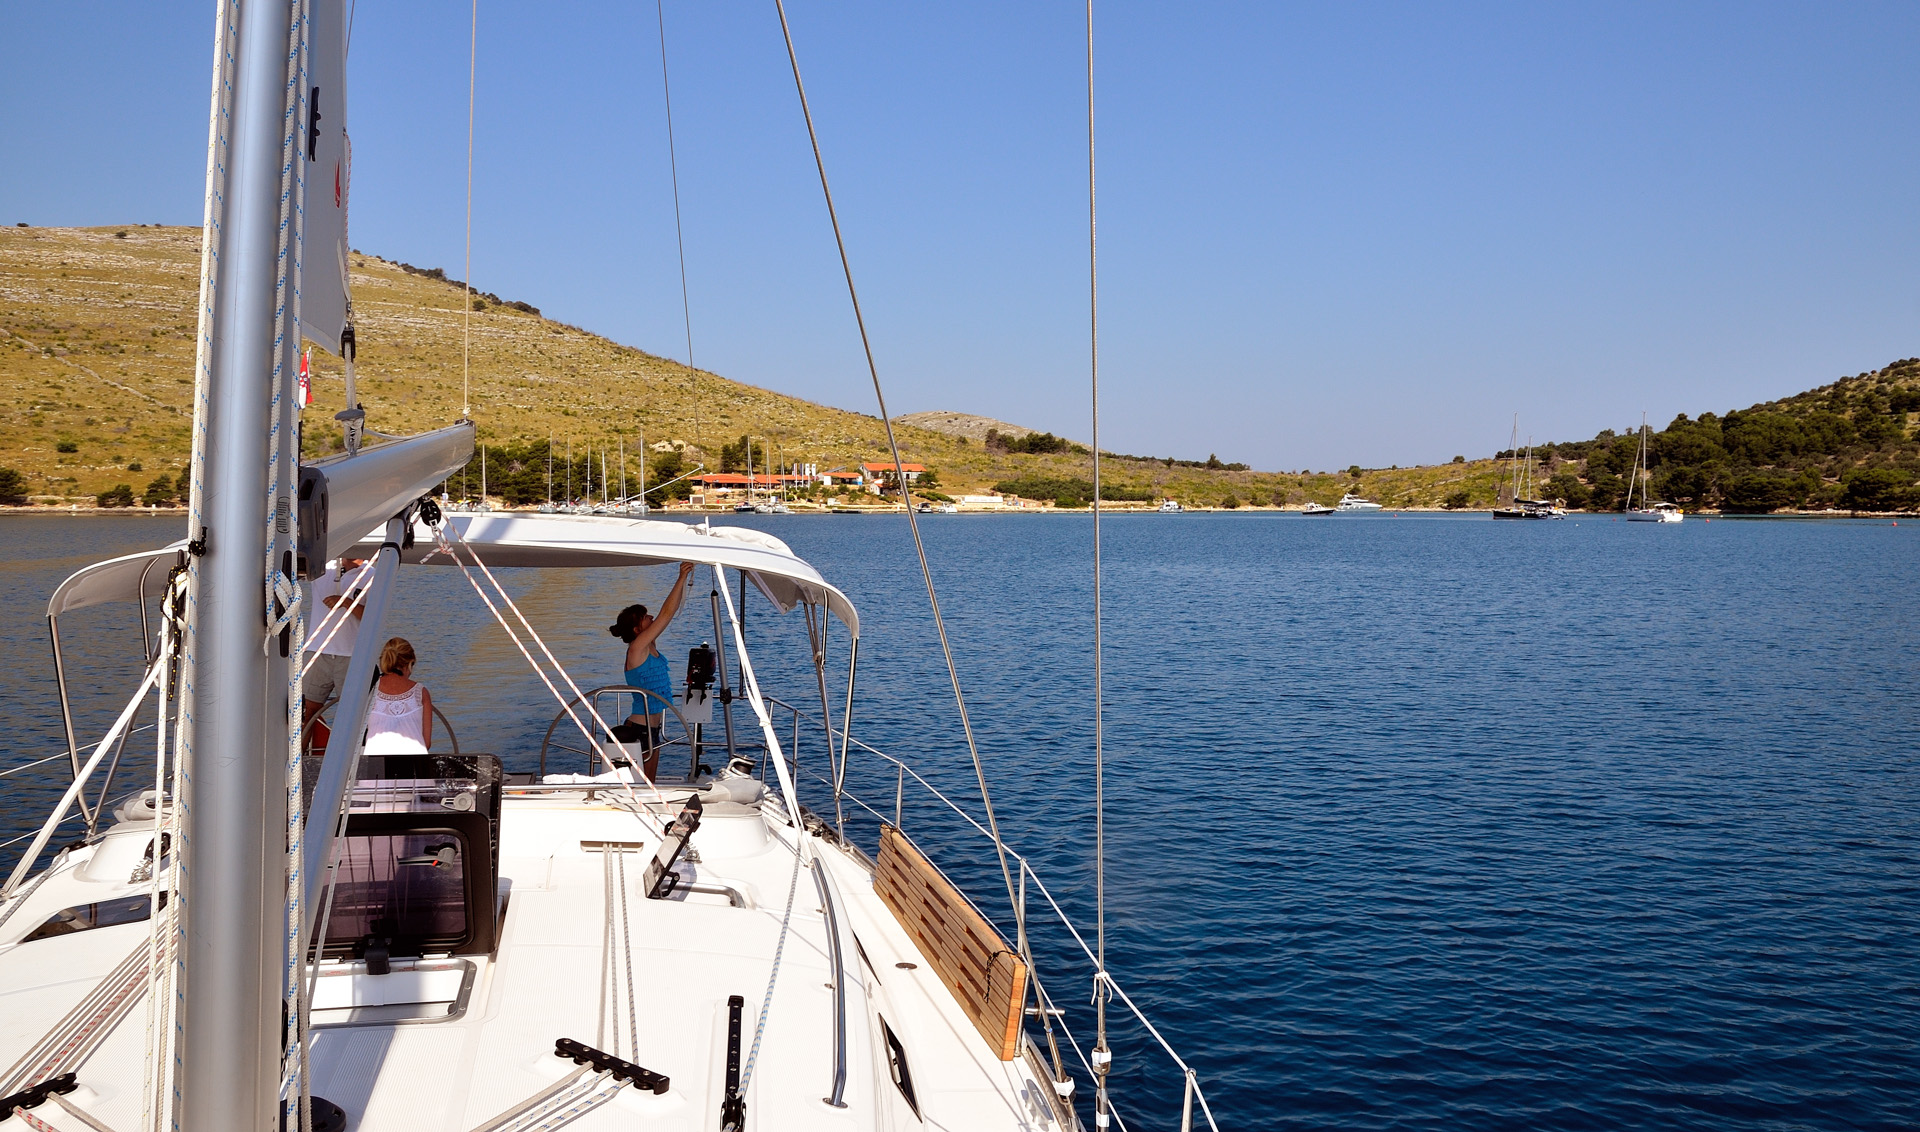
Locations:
{"points": [[97, 334], [969, 425], [1848, 445], [97, 330]]}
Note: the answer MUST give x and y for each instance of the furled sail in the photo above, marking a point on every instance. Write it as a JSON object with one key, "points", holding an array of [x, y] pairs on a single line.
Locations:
{"points": [[325, 310]]}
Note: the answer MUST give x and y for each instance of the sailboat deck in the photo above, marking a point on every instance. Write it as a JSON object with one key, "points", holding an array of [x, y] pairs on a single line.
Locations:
{"points": [[544, 981]]}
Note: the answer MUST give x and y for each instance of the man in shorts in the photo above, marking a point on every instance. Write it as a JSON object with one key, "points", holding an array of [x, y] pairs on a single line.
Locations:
{"points": [[329, 648]]}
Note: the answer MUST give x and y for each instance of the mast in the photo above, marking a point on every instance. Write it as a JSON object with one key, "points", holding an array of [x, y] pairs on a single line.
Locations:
{"points": [[234, 711], [549, 471], [1513, 446]]}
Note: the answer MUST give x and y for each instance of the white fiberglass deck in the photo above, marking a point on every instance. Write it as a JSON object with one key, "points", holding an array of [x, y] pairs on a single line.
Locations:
{"points": [[690, 952]]}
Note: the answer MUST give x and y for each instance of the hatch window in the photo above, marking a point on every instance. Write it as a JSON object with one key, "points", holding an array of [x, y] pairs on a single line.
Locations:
{"points": [[897, 1066], [104, 914]]}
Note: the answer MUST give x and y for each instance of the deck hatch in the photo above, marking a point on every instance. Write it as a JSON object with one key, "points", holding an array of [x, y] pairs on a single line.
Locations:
{"points": [[897, 1066]]}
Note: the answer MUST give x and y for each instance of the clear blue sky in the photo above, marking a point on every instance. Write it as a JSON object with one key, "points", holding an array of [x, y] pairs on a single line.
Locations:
{"points": [[1331, 233]]}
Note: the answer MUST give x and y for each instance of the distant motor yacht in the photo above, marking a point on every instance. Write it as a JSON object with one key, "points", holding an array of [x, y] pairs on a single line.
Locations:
{"points": [[1351, 502], [1171, 507], [1316, 509]]}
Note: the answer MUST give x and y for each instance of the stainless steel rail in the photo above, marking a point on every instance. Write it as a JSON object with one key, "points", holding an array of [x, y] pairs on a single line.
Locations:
{"points": [[903, 772], [839, 987], [592, 699]]}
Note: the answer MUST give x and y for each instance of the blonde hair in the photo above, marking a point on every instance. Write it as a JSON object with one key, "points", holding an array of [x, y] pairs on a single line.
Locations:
{"points": [[396, 656]]}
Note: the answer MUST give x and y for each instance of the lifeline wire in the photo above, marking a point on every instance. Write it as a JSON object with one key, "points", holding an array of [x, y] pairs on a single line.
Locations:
{"points": [[899, 471]]}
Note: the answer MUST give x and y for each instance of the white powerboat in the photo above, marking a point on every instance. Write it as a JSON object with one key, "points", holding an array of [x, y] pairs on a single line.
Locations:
{"points": [[1317, 509], [1351, 503], [1170, 507]]}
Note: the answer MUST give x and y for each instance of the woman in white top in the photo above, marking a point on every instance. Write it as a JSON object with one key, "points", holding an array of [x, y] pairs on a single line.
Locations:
{"points": [[400, 719]]}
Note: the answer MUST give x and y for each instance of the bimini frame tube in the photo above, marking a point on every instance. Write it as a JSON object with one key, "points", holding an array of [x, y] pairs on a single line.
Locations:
{"points": [[720, 666], [76, 791], [66, 706]]}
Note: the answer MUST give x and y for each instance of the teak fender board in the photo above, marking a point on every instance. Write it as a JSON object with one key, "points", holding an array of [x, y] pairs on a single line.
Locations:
{"points": [[986, 977]]}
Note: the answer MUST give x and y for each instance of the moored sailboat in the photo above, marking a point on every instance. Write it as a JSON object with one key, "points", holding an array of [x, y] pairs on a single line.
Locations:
{"points": [[1647, 512]]}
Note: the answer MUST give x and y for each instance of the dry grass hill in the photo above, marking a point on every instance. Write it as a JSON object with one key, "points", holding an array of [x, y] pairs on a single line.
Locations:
{"points": [[97, 334]]}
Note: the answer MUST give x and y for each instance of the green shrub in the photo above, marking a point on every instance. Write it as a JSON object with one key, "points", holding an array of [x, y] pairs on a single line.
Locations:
{"points": [[159, 493], [1231, 502], [119, 495], [1457, 501], [66, 446], [1567, 486], [13, 487], [1757, 493], [1052, 487], [1876, 489]]}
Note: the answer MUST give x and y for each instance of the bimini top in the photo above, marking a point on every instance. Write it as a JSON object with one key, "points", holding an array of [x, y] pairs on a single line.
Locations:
{"points": [[130, 577], [519, 539], [523, 540]]}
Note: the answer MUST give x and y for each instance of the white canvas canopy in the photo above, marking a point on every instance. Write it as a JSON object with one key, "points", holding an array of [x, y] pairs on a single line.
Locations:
{"points": [[520, 540], [510, 539], [130, 577], [321, 251]]}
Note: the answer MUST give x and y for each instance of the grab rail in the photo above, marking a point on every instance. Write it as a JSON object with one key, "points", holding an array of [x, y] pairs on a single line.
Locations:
{"points": [[839, 988]]}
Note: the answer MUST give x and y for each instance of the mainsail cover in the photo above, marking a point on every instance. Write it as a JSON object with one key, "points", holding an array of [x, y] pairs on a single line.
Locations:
{"points": [[324, 156]]}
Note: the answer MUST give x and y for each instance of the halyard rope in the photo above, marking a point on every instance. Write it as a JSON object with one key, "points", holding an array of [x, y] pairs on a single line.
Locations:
{"points": [[282, 589], [333, 619]]}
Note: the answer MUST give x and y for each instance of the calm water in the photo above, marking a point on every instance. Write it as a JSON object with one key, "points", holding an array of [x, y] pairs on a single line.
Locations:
{"points": [[1414, 823]]}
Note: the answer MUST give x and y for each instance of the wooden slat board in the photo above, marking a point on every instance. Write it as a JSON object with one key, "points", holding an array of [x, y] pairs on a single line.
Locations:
{"points": [[986, 977]]}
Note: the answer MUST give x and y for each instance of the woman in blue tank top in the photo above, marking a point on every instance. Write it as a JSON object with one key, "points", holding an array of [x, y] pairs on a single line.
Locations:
{"points": [[647, 670]]}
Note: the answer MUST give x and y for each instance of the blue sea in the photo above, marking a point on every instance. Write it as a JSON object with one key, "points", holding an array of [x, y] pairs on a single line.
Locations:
{"points": [[1412, 822]]}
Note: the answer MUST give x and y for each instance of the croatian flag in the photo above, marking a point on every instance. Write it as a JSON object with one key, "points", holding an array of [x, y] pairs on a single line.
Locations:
{"points": [[306, 378]]}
